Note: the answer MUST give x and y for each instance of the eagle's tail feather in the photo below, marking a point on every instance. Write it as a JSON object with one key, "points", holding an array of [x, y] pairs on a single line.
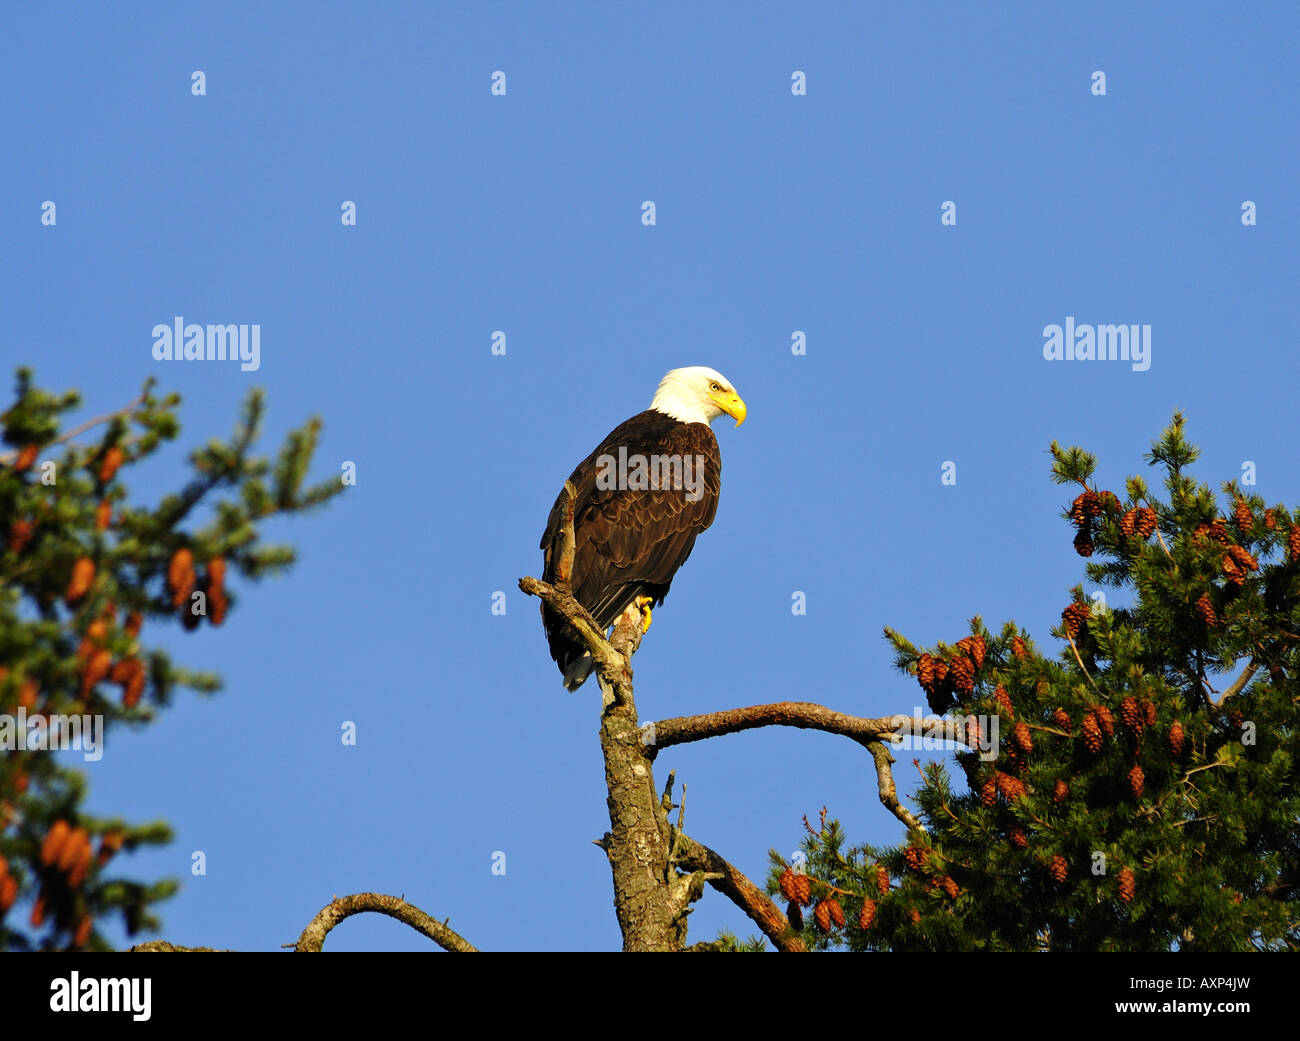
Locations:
{"points": [[576, 674]]}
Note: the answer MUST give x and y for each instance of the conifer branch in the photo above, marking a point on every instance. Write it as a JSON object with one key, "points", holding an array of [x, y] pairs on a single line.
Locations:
{"points": [[107, 417], [313, 937]]}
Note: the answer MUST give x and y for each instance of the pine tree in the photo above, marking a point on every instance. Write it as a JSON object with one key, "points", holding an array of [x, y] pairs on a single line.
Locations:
{"points": [[1156, 804], [85, 575]]}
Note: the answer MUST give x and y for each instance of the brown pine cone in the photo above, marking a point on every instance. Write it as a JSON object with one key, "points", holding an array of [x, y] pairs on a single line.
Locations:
{"points": [[1083, 542], [26, 456], [1018, 648], [822, 916], [882, 879], [868, 914], [1145, 522], [915, 857], [70, 851], [802, 889], [1091, 733], [925, 673], [1243, 559], [977, 648], [1021, 736], [96, 669], [84, 928], [1127, 885], [950, 886], [1011, 787], [835, 910], [1149, 712], [1219, 531], [1059, 869], [1060, 791], [1176, 739], [8, 893], [180, 576], [1130, 714], [81, 866], [1270, 519], [1233, 572], [19, 535], [1073, 617], [786, 883], [1136, 781], [1293, 543], [83, 573], [108, 467], [1106, 720], [103, 515], [795, 915], [55, 839], [914, 916], [962, 671], [1079, 509], [1018, 837], [1062, 719], [1003, 700], [1242, 517], [989, 791], [1205, 608], [1128, 522], [217, 607]]}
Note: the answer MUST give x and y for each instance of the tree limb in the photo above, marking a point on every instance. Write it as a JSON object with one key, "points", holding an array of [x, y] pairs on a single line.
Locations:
{"points": [[804, 715], [1238, 684], [729, 880], [313, 937]]}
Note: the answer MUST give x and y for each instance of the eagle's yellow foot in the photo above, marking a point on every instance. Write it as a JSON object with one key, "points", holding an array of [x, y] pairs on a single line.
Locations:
{"points": [[643, 604]]}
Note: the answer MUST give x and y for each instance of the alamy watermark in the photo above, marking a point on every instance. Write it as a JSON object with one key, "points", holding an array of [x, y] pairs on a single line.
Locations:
{"points": [[641, 473], [1131, 343], [194, 342], [57, 733], [933, 733]]}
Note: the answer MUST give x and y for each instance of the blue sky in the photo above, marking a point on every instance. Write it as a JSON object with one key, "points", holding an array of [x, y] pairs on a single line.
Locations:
{"points": [[522, 213]]}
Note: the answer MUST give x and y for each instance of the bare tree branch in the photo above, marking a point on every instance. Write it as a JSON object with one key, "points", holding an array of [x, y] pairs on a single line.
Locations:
{"points": [[802, 714], [870, 733], [313, 937], [731, 882], [1239, 684]]}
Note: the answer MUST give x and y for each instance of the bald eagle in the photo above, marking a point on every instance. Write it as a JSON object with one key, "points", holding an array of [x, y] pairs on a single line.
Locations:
{"points": [[643, 495]]}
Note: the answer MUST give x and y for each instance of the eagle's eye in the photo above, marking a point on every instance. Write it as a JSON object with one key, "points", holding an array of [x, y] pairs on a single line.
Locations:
{"points": [[714, 386]]}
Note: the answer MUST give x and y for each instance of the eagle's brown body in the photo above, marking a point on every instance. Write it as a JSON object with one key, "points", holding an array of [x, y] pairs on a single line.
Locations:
{"points": [[629, 541]]}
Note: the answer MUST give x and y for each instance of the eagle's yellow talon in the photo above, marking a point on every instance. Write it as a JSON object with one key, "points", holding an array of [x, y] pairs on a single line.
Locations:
{"points": [[643, 603]]}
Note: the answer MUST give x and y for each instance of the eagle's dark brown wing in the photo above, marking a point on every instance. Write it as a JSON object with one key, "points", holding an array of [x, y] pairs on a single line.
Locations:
{"points": [[629, 542]]}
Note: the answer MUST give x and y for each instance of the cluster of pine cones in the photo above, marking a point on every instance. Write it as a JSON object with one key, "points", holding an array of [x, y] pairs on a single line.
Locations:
{"points": [[943, 679]]}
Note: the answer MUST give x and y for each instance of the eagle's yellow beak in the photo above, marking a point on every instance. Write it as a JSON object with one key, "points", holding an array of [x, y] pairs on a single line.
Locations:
{"points": [[730, 403]]}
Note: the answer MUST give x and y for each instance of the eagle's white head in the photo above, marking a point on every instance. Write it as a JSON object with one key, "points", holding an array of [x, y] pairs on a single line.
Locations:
{"points": [[697, 394]]}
